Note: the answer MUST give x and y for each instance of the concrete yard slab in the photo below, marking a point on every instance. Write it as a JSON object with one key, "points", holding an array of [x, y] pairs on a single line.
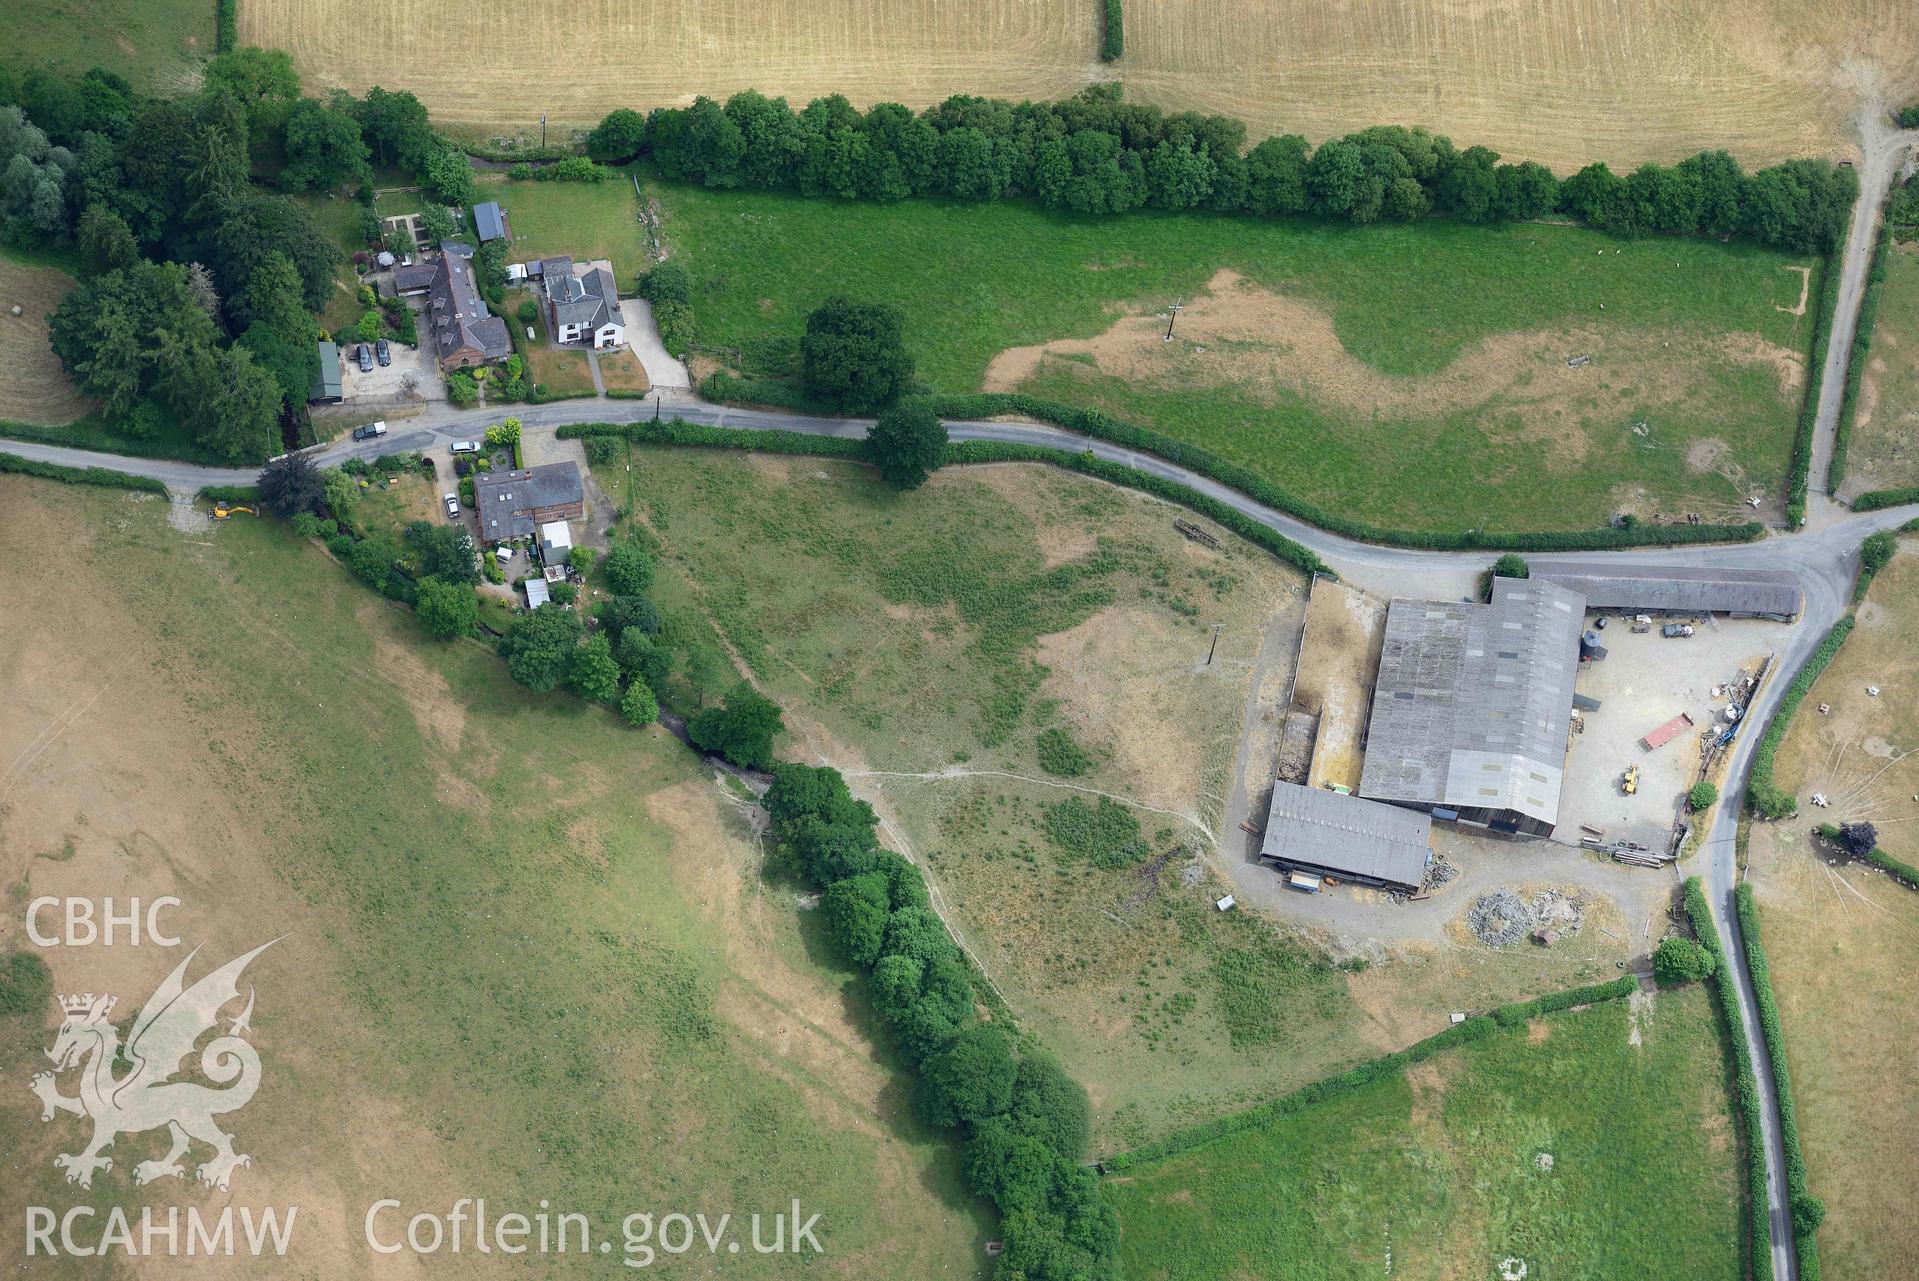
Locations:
{"points": [[1643, 683]]}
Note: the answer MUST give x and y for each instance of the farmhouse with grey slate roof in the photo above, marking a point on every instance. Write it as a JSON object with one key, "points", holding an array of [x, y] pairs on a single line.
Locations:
{"points": [[464, 333], [514, 504], [583, 303]]}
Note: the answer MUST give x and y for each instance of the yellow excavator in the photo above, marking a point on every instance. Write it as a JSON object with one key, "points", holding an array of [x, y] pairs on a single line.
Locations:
{"points": [[221, 511]]}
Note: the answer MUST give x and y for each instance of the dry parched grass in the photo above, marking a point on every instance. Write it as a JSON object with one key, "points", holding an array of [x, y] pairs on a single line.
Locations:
{"points": [[33, 387], [1844, 941]]}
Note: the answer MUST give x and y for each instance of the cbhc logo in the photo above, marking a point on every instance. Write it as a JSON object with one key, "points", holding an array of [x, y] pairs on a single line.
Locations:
{"points": [[78, 924]]}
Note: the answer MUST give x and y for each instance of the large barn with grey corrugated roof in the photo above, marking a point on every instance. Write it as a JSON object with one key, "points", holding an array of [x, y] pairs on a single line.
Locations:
{"points": [[1473, 706], [1678, 589]]}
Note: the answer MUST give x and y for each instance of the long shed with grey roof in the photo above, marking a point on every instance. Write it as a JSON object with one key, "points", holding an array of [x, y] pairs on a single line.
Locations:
{"points": [[1678, 589], [1313, 829], [1473, 706]]}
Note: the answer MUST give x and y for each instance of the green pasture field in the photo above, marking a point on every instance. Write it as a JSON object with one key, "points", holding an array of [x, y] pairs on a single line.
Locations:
{"points": [[1405, 302], [1436, 1173], [530, 952], [158, 45]]}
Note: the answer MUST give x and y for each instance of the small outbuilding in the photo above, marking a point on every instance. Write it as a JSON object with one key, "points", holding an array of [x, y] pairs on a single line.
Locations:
{"points": [[488, 222], [328, 383], [536, 592]]}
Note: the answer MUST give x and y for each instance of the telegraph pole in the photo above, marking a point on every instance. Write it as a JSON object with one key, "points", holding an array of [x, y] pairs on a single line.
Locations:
{"points": [[1174, 315], [543, 133], [1217, 628]]}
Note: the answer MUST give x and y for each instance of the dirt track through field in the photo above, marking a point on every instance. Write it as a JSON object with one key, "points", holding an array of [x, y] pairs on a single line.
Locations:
{"points": [[1562, 81]]}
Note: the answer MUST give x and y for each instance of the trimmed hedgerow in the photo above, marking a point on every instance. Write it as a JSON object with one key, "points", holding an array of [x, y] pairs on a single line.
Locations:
{"points": [[680, 432], [1762, 794], [79, 475], [1112, 34], [677, 431], [1807, 1210], [1253, 531], [226, 29], [726, 388], [1801, 471], [1477, 1028], [1758, 1241], [1096, 423], [1877, 499], [1024, 1120], [1904, 873], [1856, 362]]}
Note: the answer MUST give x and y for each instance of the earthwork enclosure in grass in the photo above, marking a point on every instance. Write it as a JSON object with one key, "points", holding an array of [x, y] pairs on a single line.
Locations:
{"points": [[1844, 941], [529, 950], [1011, 664], [1595, 1143], [1414, 376], [1563, 82]]}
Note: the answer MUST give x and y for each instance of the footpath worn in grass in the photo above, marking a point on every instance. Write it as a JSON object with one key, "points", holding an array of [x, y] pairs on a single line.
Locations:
{"points": [[529, 949], [1404, 303], [1438, 1169]]}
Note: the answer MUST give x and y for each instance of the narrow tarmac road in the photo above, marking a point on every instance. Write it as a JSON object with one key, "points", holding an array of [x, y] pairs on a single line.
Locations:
{"points": [[1823, 556]]}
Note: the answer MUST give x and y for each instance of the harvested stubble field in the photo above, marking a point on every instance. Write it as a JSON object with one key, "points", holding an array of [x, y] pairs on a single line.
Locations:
{"points": [[643, 53], [529, 950], [1563, 82], [33, 387], [1844, 941], [923, 642], [1884, 447], [1528, 1149], [1413, 376]]}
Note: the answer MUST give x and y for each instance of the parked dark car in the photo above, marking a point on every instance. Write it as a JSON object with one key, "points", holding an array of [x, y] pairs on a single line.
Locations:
{"points": [[383, 353], [364, 354], [372, 431]]}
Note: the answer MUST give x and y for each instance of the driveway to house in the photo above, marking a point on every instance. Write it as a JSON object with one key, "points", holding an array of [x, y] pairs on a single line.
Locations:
{"points": [[662, 370]]}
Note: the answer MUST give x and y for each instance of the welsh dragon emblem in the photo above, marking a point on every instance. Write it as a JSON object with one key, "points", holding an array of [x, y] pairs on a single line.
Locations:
{"points": [[164, 1033]]}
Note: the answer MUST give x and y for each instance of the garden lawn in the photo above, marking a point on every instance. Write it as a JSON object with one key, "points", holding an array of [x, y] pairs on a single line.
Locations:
{"points": [[582, 220], [1435, 1173], [339, 217], [1414, 376]]}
